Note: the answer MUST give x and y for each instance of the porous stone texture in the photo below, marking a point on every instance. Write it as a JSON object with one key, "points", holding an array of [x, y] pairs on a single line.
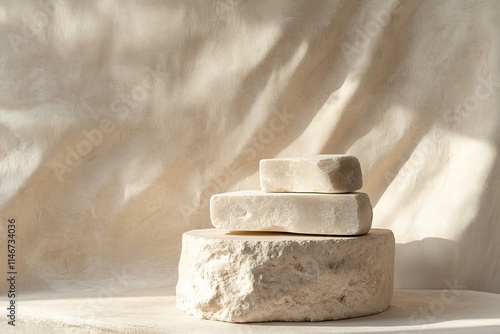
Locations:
{"points": [[327, 173], [255, 210], [253, 277]]}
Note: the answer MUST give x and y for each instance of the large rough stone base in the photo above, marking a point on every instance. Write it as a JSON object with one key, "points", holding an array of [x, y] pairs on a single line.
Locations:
{"points": [[252, 277]]}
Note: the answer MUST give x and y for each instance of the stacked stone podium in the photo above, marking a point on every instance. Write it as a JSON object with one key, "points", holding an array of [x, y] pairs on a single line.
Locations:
{"points": [[299, 249]]}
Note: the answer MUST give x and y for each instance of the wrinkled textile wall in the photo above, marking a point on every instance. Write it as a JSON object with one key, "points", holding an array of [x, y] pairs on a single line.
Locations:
{"points": [[119, 119]]}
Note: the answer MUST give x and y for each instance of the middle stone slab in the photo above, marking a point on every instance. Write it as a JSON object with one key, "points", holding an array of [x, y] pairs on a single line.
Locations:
{"points": [[307, 213]]}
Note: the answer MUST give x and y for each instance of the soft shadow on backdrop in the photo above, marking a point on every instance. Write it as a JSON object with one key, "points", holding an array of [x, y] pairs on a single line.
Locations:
{"points": [[118, 120]]}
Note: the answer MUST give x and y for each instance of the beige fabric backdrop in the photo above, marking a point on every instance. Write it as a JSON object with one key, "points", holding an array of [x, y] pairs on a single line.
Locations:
{"points": [[119, 119]]}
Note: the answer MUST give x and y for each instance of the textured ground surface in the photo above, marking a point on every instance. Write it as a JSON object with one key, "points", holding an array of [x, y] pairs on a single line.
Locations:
{"points": [[446, 311]]}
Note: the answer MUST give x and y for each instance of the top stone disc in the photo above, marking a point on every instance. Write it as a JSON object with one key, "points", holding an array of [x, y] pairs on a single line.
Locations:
{"points": [[326, 173]]}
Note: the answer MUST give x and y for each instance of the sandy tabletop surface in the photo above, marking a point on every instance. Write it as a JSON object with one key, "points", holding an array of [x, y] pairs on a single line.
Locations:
{"points": [[411, 311]]}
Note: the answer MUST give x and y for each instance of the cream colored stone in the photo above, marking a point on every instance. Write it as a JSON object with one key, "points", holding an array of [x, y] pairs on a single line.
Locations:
{"points": [[327, 173], [255, 210], [250, 277]]}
